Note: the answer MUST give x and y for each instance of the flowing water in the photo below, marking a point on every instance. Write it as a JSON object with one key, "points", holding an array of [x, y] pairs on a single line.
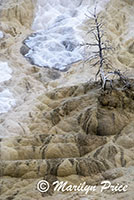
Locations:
{"points": [[56, 40], [57, 36]]}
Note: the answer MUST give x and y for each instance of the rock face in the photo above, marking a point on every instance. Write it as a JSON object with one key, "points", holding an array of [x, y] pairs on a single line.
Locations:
{"points": [[64, 127], [21, 12], [79, 132]]}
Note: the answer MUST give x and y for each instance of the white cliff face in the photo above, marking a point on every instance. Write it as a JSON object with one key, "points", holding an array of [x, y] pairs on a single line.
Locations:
{"points": [[56, 43], [6, 97]]}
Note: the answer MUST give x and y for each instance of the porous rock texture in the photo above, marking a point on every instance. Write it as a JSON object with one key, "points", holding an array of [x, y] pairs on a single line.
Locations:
{"points": [[63, 126]]}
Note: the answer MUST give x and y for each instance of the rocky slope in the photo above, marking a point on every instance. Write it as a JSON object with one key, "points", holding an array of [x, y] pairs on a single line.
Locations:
{"points": [[63, 126]]}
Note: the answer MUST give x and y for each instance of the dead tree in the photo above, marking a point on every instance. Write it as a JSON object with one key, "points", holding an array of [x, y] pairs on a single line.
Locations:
{"points": [[106, 69], [102, 48]]}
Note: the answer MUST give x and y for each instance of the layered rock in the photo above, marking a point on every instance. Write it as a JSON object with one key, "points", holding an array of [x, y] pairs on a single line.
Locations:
{"points": [[66, 141]]}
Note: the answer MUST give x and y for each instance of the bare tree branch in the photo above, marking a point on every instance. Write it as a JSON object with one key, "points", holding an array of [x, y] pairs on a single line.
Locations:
{"points": [[96, 36], [96, 63], [89, 44]]}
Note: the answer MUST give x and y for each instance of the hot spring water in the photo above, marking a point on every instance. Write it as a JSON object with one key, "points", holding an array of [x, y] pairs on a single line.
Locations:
{"points": [[56, 39]]}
